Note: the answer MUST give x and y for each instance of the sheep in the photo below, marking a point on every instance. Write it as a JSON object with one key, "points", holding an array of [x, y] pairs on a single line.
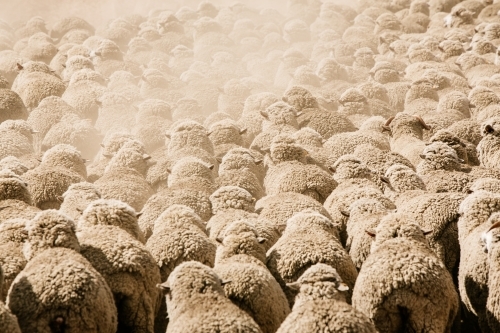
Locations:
{"points": [[59, 289], [35, 82], [406, 136], [188, 133], [321, 302], [282, 120], [124, 177], [252, 286], [277, 209], [487, 152], [12, 187], [225, 135], [309, 238], [12, 237], [115, 110], [13, 164], [77, 198], [239, 158], [465, 150], [66, 24], [466, 130], [179, 224], [8, 322], [438, 212], [402, 183], [229, 203], [406, 290], [473, 278], [11, 105], [16, 139], [127, 266], [489, 240], [76, 132], [196, 302], [192, 171]]}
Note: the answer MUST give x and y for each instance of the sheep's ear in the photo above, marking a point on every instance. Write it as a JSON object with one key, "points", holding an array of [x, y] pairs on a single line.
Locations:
{"points": [[494, 226], [102, 145], [63, 65], [243, 131], [165, 287], [257, 162], [34, 131], [343, 287], [426, 232], [461, 161], [385, 179], [146, 157], [168, 170], [332, 169], [284, 99], [219, 240], [19, 66], [370, 233], [344, 212], [293, 285], [386, 129], [137, 215], [422, 156], [79, 210], [489, 129], [209, 133], [224, 282], [253, 200], [211, 166], [264, 114], [381, 40], [218, 159], [261, 240], [60, 198], [167, 134]]}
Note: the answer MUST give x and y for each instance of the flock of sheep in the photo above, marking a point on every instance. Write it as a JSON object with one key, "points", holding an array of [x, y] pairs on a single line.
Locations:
{"points": [[326, 167]]}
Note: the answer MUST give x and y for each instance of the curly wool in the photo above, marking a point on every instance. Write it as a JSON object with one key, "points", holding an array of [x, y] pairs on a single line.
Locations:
{"points": [[13, 164], [111, 212], [321, 304], [12, 237], [13, 187], [309, 238], [77, 198], [196, 299], [424, 280], [79, 295], [251, 286], [130, 271]]}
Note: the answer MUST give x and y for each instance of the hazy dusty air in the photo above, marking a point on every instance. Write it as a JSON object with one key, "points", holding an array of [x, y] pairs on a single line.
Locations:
{"points": [[101, 11], [253, 166]]}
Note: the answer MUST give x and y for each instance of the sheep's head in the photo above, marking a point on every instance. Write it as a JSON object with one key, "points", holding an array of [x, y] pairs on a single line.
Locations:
{"points": [[232, 197], [284, 148], [240, 238], [439, 156], [13, 187], [309, 219], [67, 156], [190, 168], [190, 279], [281, 113], [384, 72], [403, 123], [179, 216], [491, 127], [395, 226], [490, 237], [349, 167], [49, 229], [402, 178]]}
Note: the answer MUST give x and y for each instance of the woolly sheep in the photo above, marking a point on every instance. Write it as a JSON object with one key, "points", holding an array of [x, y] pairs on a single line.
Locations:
{"points": [[406, 289], [251, 286], [16, 138], [13, 164], [129, 270], [196, 302], [79, 299], [8, 322], [229, 203], [12, 237], [179, 224], [321, 302], [288, 258], [11, 105], [77, 198]]}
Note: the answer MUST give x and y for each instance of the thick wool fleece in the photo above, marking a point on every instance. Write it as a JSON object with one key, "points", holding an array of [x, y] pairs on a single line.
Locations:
{"points": [[59, 289], [321, 305], [196, 303], [252, 286], [179, 235], [402, 281], [129, 270], [111, 212], [309, 238]]}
